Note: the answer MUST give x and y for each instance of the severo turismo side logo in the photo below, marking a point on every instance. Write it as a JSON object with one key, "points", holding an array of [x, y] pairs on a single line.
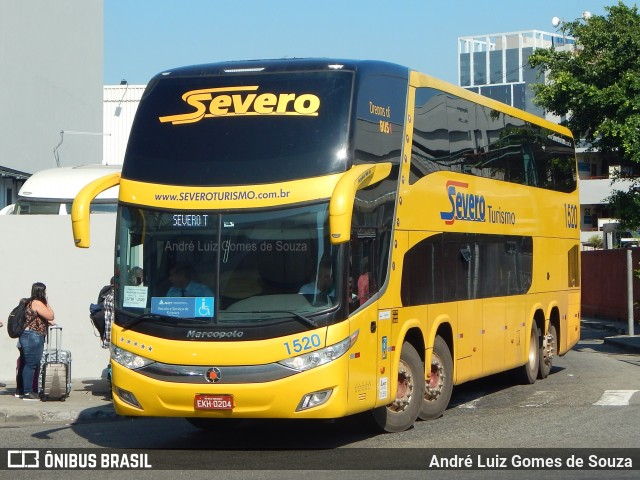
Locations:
{"points": [[472, 207], [464, 206], [222, 102]]}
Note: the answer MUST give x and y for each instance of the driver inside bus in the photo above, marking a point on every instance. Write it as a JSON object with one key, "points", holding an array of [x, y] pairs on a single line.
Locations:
{"points": [[182, 284], [322, 284]]}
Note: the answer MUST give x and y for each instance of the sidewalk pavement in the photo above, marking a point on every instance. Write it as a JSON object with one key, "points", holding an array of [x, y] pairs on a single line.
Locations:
{"points": [[90, 399], [615, 333]]}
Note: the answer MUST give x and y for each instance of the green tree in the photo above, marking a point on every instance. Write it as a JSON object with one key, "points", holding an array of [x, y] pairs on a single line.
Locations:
{"points": [[597, 87]]}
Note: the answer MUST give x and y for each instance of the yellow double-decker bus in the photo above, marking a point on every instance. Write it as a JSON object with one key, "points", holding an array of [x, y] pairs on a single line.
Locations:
{"points": [[315, 238]]}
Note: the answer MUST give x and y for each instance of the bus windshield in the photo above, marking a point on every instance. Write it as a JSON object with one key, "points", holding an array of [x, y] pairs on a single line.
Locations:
{"points": [[240, 129], [230, 268]]}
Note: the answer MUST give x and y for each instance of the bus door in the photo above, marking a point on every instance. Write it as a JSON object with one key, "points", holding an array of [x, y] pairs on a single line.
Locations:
{"points": [[368, 259], [365, 372]]}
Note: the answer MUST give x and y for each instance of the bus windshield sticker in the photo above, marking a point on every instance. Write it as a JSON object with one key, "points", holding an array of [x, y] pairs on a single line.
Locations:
{"points": [[135, 296], [183, 307]]}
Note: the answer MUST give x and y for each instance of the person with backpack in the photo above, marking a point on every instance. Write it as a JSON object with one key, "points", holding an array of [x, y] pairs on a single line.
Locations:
{"points": [[108, 307], [38, 316], [101, 314]]}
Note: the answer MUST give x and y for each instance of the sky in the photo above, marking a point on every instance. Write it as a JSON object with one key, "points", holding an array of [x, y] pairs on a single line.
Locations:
{"points": [[143, 38]]}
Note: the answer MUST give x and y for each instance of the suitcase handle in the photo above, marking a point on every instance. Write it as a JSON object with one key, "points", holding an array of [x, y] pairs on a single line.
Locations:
{"points": [[58, 334]]}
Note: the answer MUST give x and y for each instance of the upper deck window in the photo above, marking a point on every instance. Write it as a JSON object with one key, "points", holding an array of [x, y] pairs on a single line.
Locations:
{"points": [[240, 129]]}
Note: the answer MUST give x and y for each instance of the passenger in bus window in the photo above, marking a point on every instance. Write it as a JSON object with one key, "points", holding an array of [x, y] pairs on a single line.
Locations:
{"points": [[182, 284], [363, 281], [354, 301]]}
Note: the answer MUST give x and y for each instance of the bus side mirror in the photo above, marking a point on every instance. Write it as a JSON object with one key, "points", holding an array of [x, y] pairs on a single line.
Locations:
{"points": [[341, 203], [81, 207]]}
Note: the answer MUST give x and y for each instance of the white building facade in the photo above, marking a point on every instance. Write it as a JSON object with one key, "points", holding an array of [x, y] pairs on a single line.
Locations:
{"points": [[120, 103], [52, 58]]}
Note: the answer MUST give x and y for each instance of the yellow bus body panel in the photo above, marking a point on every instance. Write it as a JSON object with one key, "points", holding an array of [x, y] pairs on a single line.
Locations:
{"points": [[275, 399], [240, 197]]}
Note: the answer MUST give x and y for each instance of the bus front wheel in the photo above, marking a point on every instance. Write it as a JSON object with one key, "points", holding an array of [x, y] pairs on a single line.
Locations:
{"points": [[402, 413], [439, 386]]}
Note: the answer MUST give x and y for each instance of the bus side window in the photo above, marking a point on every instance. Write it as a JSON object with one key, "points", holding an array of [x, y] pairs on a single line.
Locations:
{"points": [[362, 272]]}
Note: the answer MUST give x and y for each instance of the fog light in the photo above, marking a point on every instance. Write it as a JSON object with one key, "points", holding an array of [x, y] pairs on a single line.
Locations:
{"points": [[128, 397], [314, 399]]}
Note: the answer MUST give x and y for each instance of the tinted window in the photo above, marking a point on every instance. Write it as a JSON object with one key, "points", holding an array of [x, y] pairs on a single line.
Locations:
{"points": [[454, 134], [380, 114], [518, 96], [430, 148], [456, 266], [230, 130], [480, 68], [465, 69], [495, 60], [513, 65], [501, 93]]}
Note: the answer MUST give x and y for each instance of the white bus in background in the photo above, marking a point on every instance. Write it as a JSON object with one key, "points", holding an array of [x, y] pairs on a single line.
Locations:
{"points": [[51, 191], [614, 237]]}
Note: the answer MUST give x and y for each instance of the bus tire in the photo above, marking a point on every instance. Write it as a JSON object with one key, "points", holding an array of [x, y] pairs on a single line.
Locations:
{"points": [[529, 371], [548, 350], [439, 386], [401, 414]]}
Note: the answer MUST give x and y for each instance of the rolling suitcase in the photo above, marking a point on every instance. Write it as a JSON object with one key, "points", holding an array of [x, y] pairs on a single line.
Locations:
{"points": [[55, 368]]}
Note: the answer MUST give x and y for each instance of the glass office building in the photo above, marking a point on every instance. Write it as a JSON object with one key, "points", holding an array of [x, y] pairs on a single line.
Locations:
{"points": [[496, 65]]}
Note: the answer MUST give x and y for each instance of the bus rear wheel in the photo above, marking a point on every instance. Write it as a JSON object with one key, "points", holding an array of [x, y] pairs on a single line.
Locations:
{"points": [[402, 413], [548, 350], [529, 371], [439, 386]]}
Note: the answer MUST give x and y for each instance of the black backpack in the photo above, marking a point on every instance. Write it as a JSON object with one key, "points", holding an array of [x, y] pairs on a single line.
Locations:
{"points": [[96, 310], [17, 318]]}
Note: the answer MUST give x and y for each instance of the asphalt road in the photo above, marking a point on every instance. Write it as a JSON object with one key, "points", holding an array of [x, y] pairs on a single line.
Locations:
{"points": [[591, 401]]}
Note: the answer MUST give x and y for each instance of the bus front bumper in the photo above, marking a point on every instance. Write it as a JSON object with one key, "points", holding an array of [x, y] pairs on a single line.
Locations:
{"points": [[316, 393]]}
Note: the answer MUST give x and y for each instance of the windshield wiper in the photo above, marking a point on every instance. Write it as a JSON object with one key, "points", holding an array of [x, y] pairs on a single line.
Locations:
{"points": [[301, 318], [149, 316], [305, 320]]}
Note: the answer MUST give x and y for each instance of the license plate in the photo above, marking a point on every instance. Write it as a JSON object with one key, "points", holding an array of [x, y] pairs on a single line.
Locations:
{"points": [[213, 402]]}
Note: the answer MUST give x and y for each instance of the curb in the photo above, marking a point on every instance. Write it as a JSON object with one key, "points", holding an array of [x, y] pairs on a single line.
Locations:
{"points": [[630, 344], [89, 401], [611, 327], [71, 415]]}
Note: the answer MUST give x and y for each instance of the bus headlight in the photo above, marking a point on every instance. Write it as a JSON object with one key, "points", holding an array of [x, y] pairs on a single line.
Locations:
{"points": [[320, 357], [128, 359]]}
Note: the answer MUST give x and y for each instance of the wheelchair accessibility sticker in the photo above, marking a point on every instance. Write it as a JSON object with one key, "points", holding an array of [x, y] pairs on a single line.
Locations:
{"points": [[183, 307]]}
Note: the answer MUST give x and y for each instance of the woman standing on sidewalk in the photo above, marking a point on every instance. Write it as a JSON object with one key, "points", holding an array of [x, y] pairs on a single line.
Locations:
{"points": [[39, 316]]}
